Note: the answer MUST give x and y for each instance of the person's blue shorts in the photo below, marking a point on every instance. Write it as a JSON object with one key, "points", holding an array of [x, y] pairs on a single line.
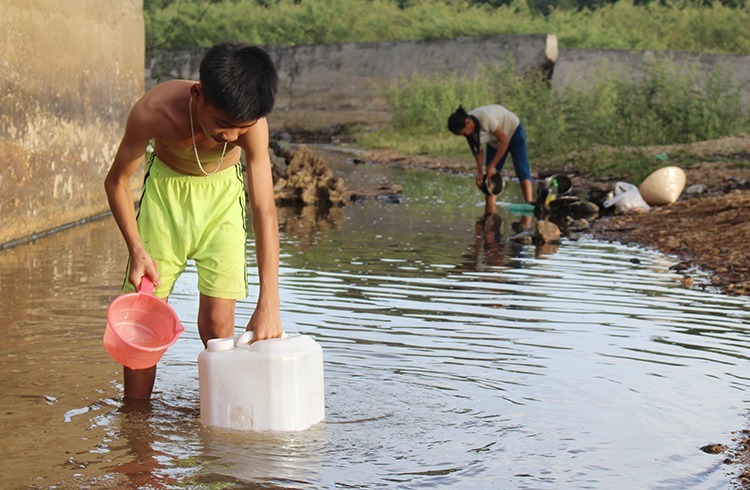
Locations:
{"points": [[517, 150]]}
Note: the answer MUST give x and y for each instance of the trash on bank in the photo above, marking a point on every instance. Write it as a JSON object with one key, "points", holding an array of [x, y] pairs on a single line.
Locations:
{"points": [[661, 157], [663, 186], [627, 199], [557, 201]]}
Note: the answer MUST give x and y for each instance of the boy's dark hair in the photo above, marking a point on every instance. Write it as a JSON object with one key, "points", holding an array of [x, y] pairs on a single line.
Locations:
{"points": [[240, 79], [457, 120]]}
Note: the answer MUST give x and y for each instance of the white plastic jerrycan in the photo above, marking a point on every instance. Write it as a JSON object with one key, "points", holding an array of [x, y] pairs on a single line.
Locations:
{"points": [[271, 385]]}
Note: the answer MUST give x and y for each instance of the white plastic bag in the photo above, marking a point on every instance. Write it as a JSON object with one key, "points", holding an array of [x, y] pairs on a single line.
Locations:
{"points": [[627, 199]]}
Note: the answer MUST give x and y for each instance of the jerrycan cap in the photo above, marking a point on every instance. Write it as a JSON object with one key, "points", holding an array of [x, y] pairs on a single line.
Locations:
{"points": [[218, 345]]}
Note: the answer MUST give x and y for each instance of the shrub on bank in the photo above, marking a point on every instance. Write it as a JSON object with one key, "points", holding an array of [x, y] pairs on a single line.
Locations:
{"points": [[687, 25], [664, 108], [667, 106]]}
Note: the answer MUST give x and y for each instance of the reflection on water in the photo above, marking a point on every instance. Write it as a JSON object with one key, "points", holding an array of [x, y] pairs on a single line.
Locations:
{"points": [[304, 225], [454, 358], [142, 464]]}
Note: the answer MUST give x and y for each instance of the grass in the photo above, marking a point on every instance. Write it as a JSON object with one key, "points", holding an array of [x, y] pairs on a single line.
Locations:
{"points": [[668, 106], [686, 25]]}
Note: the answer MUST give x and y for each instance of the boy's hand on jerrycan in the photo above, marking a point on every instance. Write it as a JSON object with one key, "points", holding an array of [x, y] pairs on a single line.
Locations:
{"points": [[265, 324]]}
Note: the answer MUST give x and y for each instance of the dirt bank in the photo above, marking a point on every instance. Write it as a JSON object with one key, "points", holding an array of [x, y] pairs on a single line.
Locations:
{"points": [[710, 232]]}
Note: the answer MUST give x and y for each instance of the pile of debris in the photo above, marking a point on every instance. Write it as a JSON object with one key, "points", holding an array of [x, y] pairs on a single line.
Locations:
{"points": [[556, 201], [306, 179]]}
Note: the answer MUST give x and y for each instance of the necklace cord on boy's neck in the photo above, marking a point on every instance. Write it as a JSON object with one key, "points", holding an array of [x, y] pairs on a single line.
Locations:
{"points": [[195, 147]]}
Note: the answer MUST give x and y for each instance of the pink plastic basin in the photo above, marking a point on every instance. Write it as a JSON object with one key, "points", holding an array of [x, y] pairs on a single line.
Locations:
{"points": [[140, 328]]}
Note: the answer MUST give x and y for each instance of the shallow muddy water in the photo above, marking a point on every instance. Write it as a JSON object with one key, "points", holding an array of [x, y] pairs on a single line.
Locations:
{"points": [[453, 359]]}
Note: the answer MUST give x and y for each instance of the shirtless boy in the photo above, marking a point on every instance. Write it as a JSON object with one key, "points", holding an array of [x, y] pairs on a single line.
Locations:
{"points": [[193, 202]]}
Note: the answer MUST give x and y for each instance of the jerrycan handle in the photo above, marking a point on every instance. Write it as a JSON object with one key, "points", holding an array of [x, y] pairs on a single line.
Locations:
{"points": [[246, 337], [147, 285]]}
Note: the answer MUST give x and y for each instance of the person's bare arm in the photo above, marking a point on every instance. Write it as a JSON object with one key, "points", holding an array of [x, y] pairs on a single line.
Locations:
{"points": [[479, 159], [266, 320], [502, 148], [117, 185]]}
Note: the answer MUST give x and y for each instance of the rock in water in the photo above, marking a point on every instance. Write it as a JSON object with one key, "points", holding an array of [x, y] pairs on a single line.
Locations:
{"points": [[308, 180], [546, 232]]}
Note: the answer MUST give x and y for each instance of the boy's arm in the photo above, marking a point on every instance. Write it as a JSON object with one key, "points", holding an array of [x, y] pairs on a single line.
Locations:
{"points": [[266, 320], [117, 186]]}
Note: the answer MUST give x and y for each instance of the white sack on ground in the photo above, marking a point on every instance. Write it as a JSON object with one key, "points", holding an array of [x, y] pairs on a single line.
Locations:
{"points": [[663, 186]]}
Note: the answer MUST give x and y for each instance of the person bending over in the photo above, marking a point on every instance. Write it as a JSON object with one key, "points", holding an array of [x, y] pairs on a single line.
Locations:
{"points": [[501, 131]]}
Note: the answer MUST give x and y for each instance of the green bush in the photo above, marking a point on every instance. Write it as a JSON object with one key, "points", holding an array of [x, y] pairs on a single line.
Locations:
{"points": [[667, 106], [686, 25]]}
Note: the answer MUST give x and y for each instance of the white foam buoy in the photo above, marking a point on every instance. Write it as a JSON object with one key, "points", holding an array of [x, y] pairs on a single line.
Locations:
{"points": [[271, 385]]}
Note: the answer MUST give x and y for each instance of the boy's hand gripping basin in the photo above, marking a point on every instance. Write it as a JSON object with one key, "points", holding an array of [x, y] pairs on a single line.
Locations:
{"points": [[270, 385], [140, 327]]}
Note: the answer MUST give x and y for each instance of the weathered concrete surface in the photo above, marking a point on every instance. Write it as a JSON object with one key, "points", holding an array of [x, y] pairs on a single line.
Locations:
{"points": [[581, 68], [343, 83], [71, 71], [321, 85]]}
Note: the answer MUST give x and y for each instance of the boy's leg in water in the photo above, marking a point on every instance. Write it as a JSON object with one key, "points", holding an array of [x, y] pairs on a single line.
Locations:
{"points": [[139, 383], [527, 191], [525, 222], [215, 318]]}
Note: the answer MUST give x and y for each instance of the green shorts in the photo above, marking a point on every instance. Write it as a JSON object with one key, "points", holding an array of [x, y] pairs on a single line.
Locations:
{"points": [[202, 218]]}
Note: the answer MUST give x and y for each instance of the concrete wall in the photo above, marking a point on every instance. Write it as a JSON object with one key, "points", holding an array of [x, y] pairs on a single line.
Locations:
{"points": [[342, 83], [70, 72], [582, 67]]}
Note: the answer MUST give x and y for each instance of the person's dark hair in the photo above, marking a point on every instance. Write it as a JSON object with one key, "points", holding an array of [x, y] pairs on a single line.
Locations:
{"points": [[240, 79], [457, 120]]}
